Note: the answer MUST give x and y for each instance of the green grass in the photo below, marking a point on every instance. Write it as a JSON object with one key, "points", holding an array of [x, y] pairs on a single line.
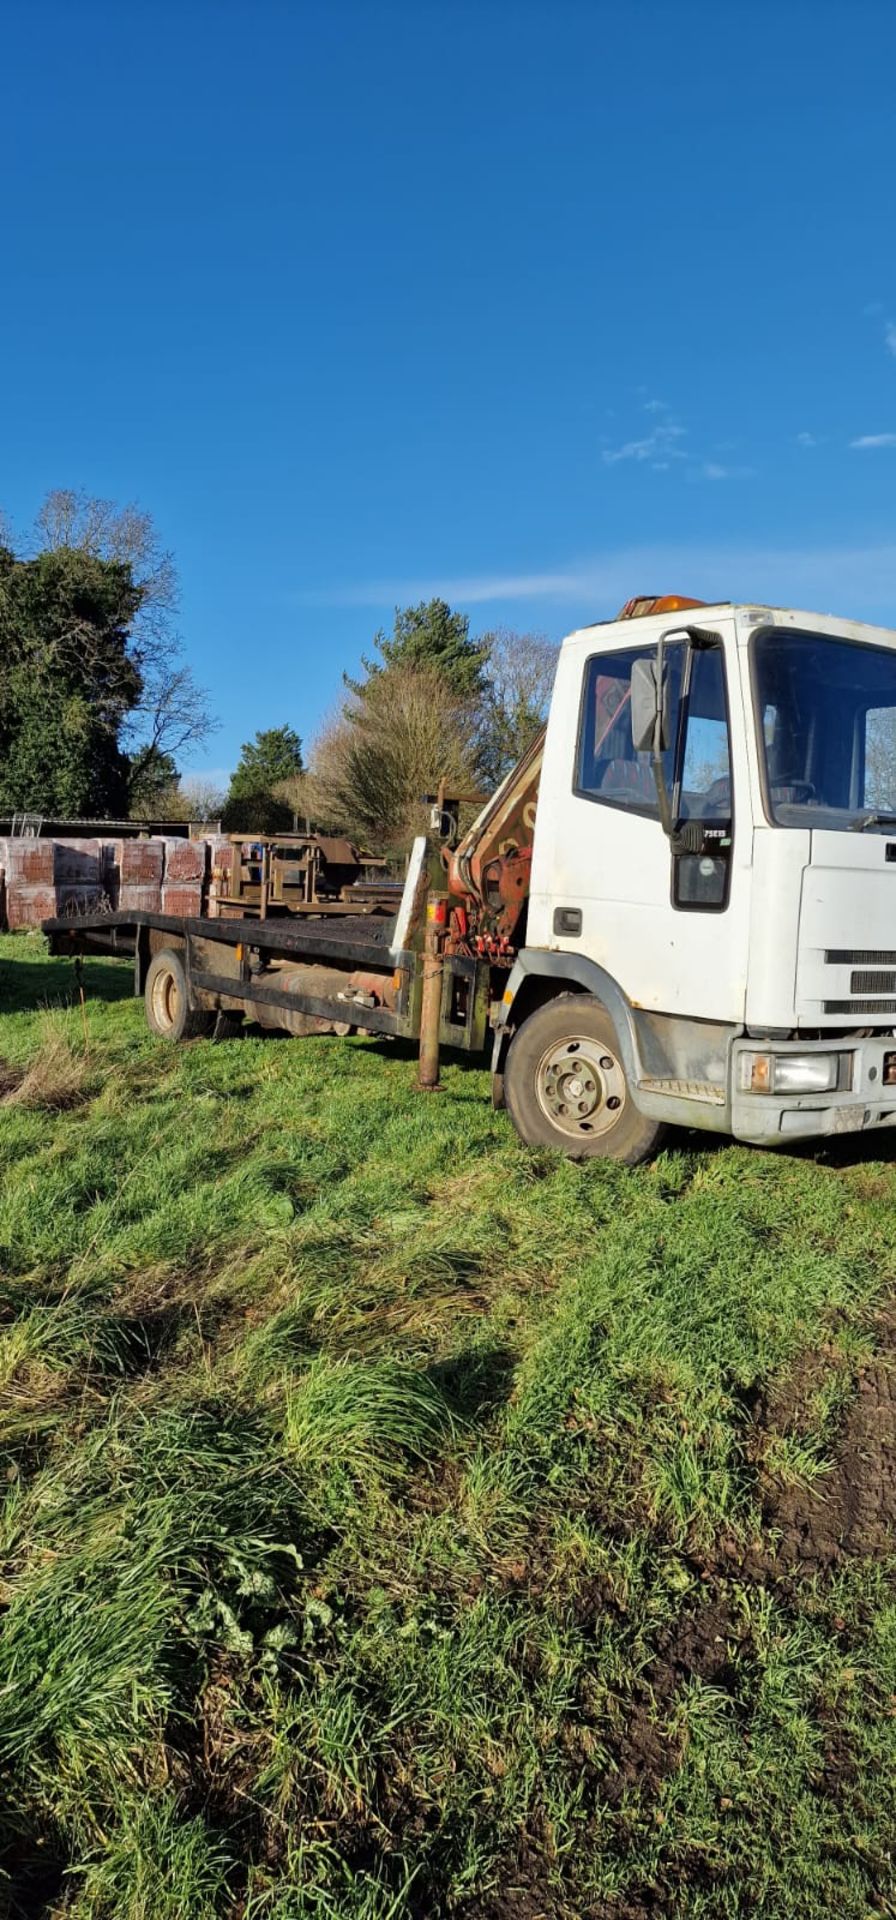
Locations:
{"points": [[399, 1524]]}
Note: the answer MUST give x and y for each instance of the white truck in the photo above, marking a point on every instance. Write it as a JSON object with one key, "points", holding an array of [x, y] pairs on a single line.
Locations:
{"points": [[679, 909]]}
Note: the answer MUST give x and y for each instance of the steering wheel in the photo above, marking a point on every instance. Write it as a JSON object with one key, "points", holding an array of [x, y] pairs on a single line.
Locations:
{"points": [[799, 792]]}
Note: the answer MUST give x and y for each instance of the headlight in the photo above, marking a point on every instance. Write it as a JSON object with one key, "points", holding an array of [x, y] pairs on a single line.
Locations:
{"points": [[789, 1072]]}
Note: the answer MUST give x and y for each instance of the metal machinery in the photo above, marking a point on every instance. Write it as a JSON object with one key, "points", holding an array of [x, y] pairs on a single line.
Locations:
{"points": [[267, 875]]}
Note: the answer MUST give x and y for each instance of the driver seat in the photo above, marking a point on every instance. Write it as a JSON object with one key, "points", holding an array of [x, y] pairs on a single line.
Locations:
{"points": [[626, 776]]}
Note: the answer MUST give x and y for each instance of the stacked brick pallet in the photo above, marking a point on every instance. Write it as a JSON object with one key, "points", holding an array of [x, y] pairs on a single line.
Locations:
{"points": [[43, 879], [133, 872], [185, 870]]}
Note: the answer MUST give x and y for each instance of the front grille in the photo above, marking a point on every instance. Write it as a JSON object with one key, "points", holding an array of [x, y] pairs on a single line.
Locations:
{"points": [[860, 1006], [856, 957], [872, 983]]}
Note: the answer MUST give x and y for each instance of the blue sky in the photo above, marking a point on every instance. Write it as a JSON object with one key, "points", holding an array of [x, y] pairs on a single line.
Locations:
{"points": [[533, 305]]}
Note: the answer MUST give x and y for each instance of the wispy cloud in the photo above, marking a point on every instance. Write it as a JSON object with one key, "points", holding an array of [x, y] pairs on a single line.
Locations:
{"points": [[713, 470], [875, 310], [658, 445], [857, 581], [662, 450], [807, 440], [866, 440]]}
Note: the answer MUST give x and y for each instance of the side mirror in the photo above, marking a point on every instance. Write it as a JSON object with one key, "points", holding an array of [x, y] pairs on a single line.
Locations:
{"points": [[649, 705]]}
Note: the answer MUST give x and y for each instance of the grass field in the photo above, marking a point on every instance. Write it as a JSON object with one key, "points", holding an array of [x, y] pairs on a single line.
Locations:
{"points": [[397, 1522]]}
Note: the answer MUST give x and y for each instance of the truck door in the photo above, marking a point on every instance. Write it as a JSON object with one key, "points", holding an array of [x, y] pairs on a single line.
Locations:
{"points": [[671, 927]]}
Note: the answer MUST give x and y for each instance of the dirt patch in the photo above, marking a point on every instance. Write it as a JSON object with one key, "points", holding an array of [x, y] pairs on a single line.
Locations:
{"points": [[702, 1644], [525, 1892], [699, 1646], [850, 1512]]}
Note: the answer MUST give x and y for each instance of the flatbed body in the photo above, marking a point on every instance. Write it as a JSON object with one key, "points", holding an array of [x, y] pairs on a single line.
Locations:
{"points": [[360, 972]]}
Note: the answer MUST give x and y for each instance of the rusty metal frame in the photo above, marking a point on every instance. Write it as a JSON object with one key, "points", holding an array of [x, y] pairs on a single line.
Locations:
{"points": [[470, 1035], [128, 933], [374, 1019]]}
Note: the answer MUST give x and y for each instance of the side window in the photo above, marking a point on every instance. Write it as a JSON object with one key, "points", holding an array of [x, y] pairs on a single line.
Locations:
{"points": [[880, 758], [705, 791], [608, 768]]}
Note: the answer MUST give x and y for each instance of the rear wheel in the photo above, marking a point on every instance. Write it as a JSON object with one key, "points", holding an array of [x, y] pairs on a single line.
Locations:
{"points": [[168, 1010], [565, 1085]]}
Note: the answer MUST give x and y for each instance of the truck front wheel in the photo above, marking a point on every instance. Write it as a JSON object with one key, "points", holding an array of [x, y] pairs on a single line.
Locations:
{"points": [[565, 1085], [168, 1009]]}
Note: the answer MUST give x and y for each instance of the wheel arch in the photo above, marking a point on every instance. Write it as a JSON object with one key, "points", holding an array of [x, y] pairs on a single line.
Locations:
{"points": [[539, 976]]}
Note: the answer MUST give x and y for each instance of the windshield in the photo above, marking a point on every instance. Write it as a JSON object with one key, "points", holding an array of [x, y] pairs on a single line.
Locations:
{"points": [[827, 715]]}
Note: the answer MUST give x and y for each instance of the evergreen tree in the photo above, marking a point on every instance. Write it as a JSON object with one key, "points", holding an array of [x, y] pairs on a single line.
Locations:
{"points": [[431, 637], [67, 682], [252, 805]]}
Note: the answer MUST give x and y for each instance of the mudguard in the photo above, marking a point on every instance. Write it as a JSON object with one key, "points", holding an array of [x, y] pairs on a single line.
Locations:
{"points": [[584, 973]]}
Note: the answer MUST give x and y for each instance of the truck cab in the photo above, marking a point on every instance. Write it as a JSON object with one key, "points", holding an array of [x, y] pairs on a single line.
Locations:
{"points": [[711, 928]]}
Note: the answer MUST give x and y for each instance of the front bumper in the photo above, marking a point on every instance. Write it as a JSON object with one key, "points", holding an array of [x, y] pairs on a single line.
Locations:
{"points": [[779, 1119]]}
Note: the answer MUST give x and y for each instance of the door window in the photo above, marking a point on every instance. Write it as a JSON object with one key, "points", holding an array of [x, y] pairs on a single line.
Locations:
{"points": [[608, 769], [705, 788]]}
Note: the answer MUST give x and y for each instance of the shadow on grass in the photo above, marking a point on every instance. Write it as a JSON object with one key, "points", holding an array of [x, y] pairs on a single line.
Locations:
{"points": [[476, 1383], [26, 984], [32, 1864], [829, 1150], [409, 1051]]}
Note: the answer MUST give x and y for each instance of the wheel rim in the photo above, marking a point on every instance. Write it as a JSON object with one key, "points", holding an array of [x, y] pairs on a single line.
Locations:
{"points": [[164, 999], [580, 1087]]}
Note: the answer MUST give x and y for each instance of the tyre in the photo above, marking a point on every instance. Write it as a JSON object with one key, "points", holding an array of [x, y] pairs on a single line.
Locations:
{"points": [[168, 1010], [565, 1085]]}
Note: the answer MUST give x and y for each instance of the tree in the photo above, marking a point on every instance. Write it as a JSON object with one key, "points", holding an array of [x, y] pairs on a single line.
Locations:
{"points": [[430, 636], [295, 793], [204, 799], [520, 669], [152, 787], [389, 746], [171, 712], [252, 805], [68, 681], [192, 799], [95, 698]]}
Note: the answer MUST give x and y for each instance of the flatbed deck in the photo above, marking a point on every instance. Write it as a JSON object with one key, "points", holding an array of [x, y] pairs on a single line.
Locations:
{"points": [[353, 939], [354, 972]]}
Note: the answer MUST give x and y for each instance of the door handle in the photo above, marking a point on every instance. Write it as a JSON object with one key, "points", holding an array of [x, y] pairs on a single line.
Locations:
{"points": [[567, 920]]}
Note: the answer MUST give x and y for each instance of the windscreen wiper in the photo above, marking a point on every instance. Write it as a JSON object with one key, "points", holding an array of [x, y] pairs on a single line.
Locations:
{"points": [[872, 820]]}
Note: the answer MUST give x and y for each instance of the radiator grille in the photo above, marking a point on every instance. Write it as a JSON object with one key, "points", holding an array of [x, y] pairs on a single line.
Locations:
{"points": [[858, 957], [872, 982], [860, 1006]]}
